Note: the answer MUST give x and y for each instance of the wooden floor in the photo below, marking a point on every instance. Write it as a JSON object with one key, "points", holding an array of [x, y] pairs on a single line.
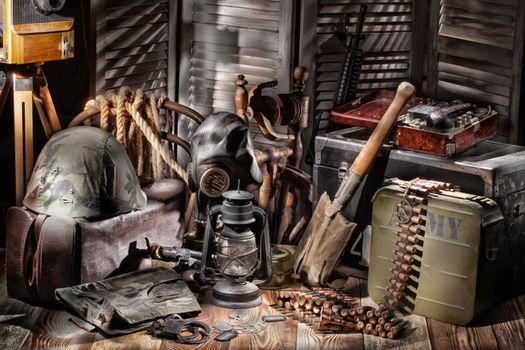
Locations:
{"points": [[25, 327]]}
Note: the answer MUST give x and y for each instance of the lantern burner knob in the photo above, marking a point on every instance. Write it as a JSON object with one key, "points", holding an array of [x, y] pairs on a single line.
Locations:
{"points": [[237, 208]]}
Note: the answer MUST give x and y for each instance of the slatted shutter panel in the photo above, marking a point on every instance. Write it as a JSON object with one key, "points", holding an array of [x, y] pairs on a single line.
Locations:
{"points": [[224, 38], [133, 45], [388, 49], [477, 55]]}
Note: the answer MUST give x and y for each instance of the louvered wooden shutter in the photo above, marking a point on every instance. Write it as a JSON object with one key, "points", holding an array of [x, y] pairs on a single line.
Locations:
{"points": [[133, 45], [224, 38], [389, 57], [477, 54]]}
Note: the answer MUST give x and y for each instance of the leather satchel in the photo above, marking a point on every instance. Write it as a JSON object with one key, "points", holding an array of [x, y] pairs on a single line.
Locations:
{"points": [[42, 251], [49, 252]]}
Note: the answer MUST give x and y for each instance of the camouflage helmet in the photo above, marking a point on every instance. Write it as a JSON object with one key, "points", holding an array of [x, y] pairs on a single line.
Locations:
{"points": [[83, 172]]}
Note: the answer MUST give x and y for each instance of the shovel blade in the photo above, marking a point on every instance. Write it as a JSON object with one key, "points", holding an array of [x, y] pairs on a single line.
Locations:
{"points": [[323, 243]]}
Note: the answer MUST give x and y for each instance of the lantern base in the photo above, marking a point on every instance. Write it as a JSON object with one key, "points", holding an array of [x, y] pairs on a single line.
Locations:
{"points": [[235, 296]]}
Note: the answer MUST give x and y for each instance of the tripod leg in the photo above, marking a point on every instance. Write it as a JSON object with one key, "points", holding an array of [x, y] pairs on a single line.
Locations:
{"points": [[50, 114], [40, 108], [23, 116]]}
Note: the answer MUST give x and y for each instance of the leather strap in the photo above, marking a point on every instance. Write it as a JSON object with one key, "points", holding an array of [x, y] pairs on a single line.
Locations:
{"points": [[55, 264], [30, 276], [19, 252]]}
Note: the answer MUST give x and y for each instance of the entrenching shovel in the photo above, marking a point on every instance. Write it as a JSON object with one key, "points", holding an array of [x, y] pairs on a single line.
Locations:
{"points": [[328, 232]]}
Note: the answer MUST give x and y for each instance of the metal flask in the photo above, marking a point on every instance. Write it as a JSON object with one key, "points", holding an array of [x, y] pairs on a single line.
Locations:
{"points": [[231, 257]]}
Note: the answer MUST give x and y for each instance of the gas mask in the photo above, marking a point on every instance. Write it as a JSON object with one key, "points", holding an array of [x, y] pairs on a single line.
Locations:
{"points": [[222, 159]]}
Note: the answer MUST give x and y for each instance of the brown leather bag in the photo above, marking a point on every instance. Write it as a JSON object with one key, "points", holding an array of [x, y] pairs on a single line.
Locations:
{"points": [[41, 256], [48, 252]]}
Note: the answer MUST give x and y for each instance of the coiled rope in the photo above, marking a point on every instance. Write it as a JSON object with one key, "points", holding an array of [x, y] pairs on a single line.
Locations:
{"points": [[131, 116]]}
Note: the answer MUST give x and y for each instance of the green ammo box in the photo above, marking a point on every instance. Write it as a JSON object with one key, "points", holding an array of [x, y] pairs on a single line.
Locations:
{"points": [[452, 278]]}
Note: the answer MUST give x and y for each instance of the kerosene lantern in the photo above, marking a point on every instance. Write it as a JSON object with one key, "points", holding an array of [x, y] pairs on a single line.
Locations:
{"points": [[231, 257]]}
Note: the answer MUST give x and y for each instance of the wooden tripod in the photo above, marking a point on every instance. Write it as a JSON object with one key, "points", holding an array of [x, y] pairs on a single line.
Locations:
{"points": [[29, 86]]}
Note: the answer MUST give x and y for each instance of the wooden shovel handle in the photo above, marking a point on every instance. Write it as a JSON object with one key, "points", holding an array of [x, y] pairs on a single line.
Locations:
{"points": [[374, 143]]}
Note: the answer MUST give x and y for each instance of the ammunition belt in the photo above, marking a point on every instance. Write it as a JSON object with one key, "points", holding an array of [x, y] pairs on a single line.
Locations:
{"points": [[410, 220], [329, 310]]}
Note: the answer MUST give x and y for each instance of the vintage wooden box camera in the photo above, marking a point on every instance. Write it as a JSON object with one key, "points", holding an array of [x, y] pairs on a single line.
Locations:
{"points": [[36, 31]]}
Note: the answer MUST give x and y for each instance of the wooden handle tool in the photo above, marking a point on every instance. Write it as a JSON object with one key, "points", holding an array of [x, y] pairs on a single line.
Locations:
{"points": [[367, 155]]}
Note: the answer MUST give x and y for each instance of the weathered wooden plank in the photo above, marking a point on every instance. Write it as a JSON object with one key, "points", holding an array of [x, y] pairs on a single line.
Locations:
{"points": [[230, 67], [484, 86], [327, 76], [147, 86], [486, 9], [366, 68], [371, 28], [501, 2], [469, 92], [133, 21], [457, 17], [462, 63], [504, 126], [131, 11], [127, 3], [331, 19], [136, 59], [136, 50], [216, 105], [136, 69], [467, 71], [137, 78], [14, 333], [365, 77], [202, 109], [236, 11], [381, 42], [227, 77], [236, 60], [225, 104], [369, 58], [503, 111], [134, 341], [239, 38], [219, 94], [474, 51], [285, 331], [508, 322], [235, 21], [236, 51], [273, 337], [252, 4], [209, 315], [448, 336], [326, 86], [477, 36], [144, 35], [53, 330], [384, 9], [213, 84]]}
